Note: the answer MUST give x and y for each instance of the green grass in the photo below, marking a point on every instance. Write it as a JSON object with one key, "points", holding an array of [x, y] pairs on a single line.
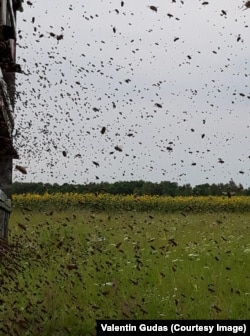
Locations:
{"points": [[68, 269]]}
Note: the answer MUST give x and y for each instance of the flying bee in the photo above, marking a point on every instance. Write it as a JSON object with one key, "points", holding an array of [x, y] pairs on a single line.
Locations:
{"points": [[21, 169], [22, 226], [119, 149], [71, 267], [247, 5], [153, 8], [52, 34], [103, 130], [59, 37]]}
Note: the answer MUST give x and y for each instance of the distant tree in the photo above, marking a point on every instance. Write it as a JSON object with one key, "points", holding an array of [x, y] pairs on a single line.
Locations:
{"points": [[201, 190], [140, 187], [148, 188], [137, 186], [185, 190], [215, 190], [169, 188], [232, 185]]}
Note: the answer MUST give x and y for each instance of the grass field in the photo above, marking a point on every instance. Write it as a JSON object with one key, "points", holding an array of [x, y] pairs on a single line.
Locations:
{"points": [[65, 269]]}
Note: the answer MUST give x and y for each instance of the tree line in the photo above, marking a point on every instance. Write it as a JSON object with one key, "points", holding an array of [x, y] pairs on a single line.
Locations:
{"points": [[138, 188]]}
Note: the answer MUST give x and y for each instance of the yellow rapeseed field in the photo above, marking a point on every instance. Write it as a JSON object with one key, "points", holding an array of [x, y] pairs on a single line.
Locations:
{"points": [[131, 202]]}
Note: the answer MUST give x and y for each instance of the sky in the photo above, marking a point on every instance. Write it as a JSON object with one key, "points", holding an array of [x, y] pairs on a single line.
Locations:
{"points": [[120, 90]]}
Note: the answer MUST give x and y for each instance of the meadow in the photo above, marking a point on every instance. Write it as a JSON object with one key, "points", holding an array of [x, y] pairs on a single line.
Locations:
{"points": [[72, 259]]}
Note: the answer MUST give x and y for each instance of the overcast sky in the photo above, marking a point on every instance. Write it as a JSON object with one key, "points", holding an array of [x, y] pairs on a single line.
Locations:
{"points": [[169, 90]]}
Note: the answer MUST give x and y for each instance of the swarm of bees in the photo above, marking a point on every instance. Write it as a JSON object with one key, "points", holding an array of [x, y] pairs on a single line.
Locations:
{"points": [[115, 102], [132, 134]]}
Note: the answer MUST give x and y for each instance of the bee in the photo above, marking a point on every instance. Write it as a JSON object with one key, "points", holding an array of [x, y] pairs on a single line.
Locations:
{"points": [[59, 37], [216, 308], [52, 34], [64, 153], [71, 267], [22, 226], [247, 5], [172, 242], [59, 244], [119, 149], [118, 245], [21, 169], [103, 130], [96, 163], [228, 193], [153, 8]]}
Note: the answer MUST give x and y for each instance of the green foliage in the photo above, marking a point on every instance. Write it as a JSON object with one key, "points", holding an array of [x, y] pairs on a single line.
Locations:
{"points": [[164, 188], [63, 270]]}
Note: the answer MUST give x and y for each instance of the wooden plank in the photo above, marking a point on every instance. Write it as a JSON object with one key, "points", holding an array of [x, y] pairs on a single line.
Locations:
{"points": [[3, 12], [5, 209], [6, 175], [12, 19], [5, 107]]}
